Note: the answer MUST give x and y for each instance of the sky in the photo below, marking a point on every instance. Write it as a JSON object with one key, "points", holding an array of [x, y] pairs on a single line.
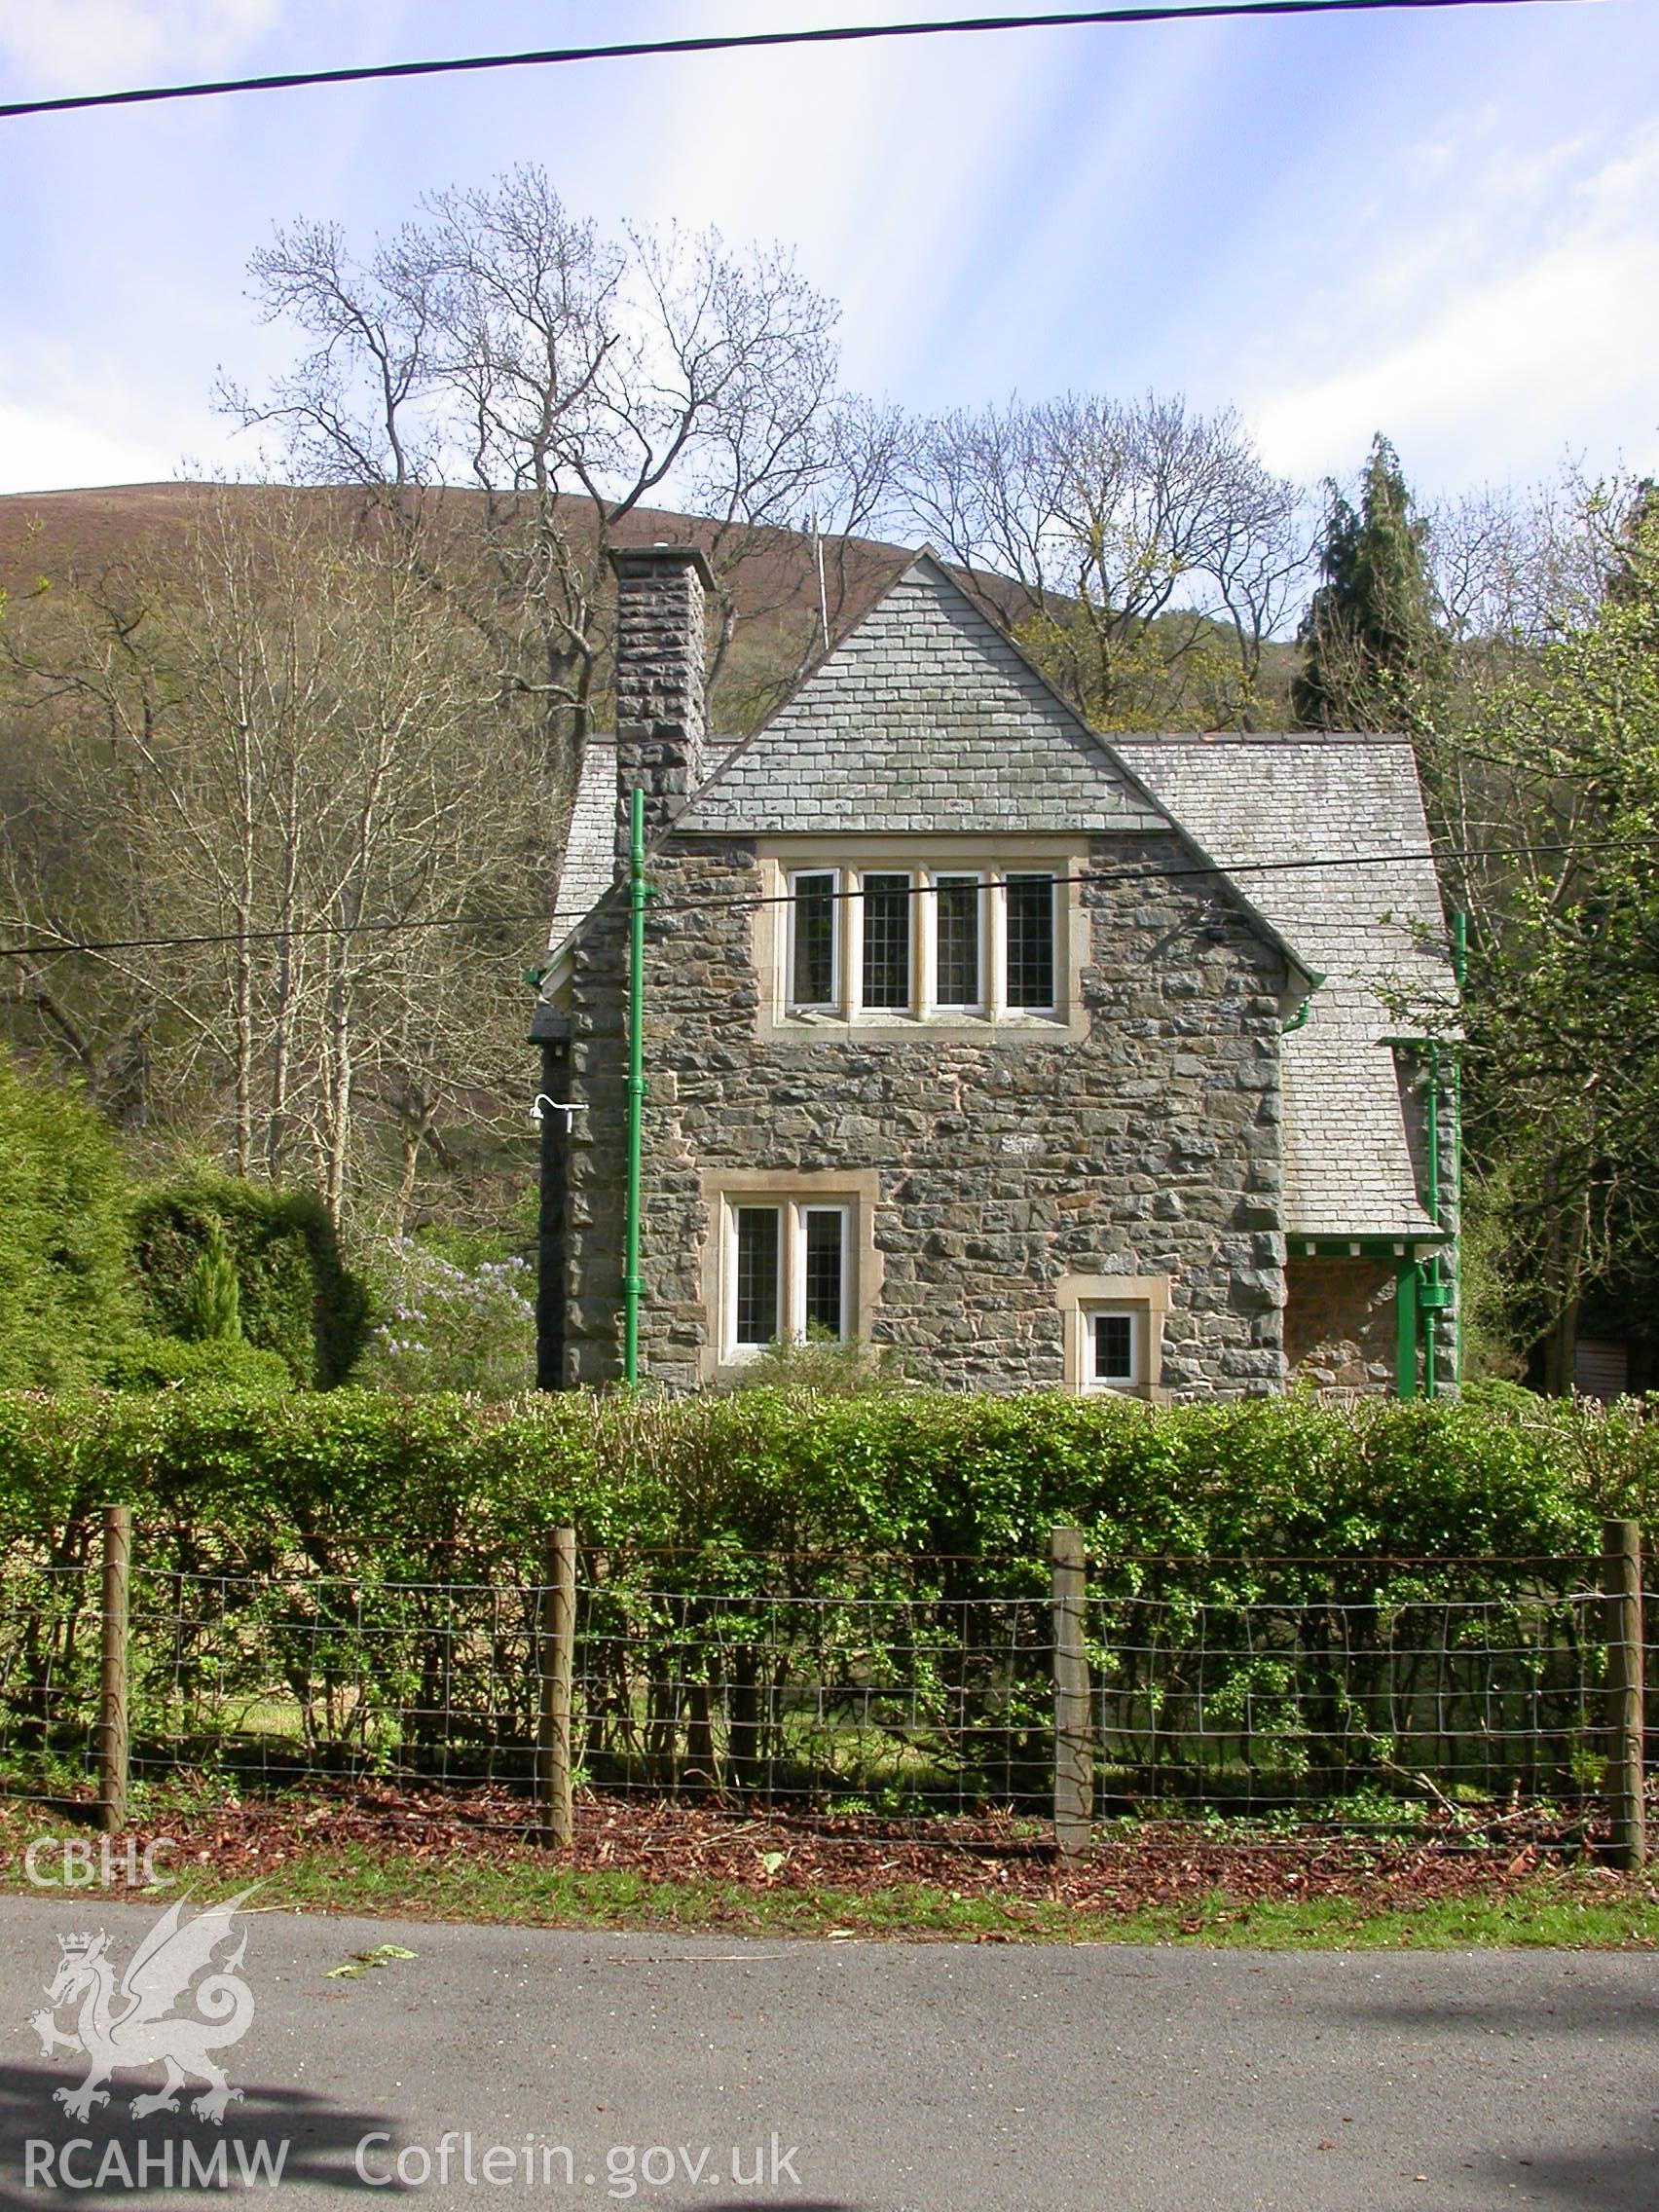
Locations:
{"points": [[1444, 226]]}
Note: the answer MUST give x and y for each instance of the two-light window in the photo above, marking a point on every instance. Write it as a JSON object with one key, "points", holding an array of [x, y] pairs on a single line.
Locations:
{"points": [[922, 941], [787, 1274]]}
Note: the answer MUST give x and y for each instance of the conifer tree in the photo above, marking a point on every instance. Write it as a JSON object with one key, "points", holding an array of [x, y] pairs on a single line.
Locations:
{"points": [[1374, 656], [213, 1295]]}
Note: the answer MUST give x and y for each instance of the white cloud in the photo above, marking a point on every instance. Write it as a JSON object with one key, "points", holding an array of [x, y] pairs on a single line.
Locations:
{"points": [[1527, 323], [44, 451], [100, 431], [91, 45]]}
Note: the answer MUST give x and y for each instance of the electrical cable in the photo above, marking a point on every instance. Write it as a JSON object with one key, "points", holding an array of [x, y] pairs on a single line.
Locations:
{"points": [[634, 50], [755, 899]]}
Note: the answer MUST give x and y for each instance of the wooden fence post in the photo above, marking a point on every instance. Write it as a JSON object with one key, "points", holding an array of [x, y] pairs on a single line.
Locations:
{"points": [[1621, 1581], [558, 1664], [112, 1670], [1074, 1748]]}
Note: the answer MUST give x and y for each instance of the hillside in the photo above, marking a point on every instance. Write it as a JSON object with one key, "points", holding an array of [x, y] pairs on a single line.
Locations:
{"points": [[88, 533], [57, 535]]}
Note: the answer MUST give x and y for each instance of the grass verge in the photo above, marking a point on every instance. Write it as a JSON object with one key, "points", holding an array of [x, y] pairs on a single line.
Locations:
{"points": [[779, 1895]]}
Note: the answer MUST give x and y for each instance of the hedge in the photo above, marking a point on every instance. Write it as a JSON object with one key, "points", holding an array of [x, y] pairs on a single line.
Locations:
{"points": [[296, 1297], [368, 1484], [65, 1290], [369, 1565]]}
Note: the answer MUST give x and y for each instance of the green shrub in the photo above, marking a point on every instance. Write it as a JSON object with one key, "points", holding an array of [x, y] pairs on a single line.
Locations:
{"points": [[294, 1294], [212, 1299], [65, 1285], [829, 1366], [146, 1362], [380, 1484]]}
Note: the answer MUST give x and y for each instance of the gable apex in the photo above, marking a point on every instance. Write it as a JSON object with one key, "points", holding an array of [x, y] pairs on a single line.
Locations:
{"points": [[925, 718]]}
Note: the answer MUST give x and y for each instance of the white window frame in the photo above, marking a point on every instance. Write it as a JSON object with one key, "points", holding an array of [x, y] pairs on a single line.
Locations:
{"points": [[1139, 1320], [1145, 1300], [1007, 875], [792, 1213], [924, 865], [837, 887], [731, 1347], [912, 936], [802, 1209]]}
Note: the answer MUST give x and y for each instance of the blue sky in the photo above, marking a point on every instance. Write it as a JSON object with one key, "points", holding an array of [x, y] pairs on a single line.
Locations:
{"points": [[1445, 226]]}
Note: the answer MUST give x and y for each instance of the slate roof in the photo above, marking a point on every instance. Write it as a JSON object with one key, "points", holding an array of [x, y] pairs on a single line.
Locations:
{"points": [[924, 720], [589, 863], [1353, 803]]}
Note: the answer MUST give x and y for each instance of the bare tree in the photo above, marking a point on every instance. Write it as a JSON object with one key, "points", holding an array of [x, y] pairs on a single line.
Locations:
{"points": [[296, 822], [568, 378], [1144, 534], [1516, 569]]}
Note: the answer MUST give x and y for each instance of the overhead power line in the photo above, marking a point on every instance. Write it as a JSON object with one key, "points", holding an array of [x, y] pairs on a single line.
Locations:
{"points": [[637, 50], [51, 949]]}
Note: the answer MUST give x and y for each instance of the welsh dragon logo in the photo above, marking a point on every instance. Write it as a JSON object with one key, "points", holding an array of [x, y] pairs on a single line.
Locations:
{"points": [[136, 2026]]}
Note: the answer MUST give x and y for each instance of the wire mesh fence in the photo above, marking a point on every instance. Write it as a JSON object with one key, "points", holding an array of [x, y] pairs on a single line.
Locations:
{"points": [[1355, 1691], [1327, 1700]]}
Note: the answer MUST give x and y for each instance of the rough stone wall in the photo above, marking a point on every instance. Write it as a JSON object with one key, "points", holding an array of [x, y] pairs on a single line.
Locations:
{"points": [[1151, 1148], [660, 737], [1339, 1323]]}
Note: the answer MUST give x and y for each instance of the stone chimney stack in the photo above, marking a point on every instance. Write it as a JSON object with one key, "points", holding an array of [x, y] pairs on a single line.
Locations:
{"points": [[659, 680]]}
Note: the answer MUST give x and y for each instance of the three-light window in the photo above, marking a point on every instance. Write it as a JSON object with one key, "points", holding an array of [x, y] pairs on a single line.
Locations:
{"points": [[919, 942]]}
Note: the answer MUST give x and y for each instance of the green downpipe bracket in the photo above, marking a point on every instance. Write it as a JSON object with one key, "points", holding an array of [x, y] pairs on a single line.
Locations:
{"points": [[636, 1087]]}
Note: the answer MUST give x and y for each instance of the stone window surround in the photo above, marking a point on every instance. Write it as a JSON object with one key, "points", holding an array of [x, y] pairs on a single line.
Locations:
{"points": [[988, 857], [1145, 1297], [856, 1189]]}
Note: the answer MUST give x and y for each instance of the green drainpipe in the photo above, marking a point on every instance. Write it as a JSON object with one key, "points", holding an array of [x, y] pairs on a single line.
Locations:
{"points": [[1407, 1277], [1460, 971], [1299, 1019], [637, 895], [1431, 1318]]}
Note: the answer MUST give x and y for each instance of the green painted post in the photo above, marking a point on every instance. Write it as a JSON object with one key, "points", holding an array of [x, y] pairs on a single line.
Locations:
{"points": [[631, 1285], [1405, 1279]]}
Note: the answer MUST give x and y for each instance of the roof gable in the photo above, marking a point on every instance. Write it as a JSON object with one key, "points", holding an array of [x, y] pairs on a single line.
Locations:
{"points": [[1327, 836], [925, 719]]}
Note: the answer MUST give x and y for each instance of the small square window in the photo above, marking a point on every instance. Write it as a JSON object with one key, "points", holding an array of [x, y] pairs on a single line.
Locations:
{"points": [[1114, 1347]]}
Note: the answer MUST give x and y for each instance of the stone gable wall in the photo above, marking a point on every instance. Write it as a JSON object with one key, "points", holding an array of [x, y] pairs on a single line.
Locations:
{"points": [[1151, 1148]]}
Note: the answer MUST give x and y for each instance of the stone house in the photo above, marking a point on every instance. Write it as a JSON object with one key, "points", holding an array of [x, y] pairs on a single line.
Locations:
{"points": [[1042, 1059]]}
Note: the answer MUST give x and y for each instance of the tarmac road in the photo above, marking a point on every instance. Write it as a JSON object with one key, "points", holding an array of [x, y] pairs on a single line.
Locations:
{"points": [[876, 2075]]}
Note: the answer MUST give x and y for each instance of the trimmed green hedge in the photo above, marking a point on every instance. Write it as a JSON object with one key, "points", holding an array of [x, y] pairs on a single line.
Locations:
{"points": [[65, 1291], [296, 1297], [362, 1483], [818, 1595]]}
